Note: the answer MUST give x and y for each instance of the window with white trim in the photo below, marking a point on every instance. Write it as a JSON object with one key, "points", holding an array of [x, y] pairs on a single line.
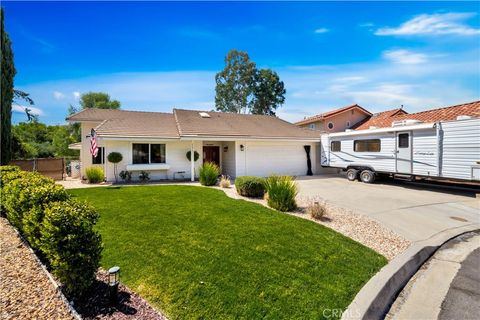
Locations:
{"points": [[145, 153], [312, 126]]}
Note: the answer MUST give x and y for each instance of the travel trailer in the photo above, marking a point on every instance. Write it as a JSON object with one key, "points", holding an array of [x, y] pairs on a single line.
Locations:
{"points": [[407, 149]]}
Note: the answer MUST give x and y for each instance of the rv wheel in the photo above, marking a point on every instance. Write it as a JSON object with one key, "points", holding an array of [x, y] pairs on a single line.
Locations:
{"points": [[352, 174], [367, 176]]}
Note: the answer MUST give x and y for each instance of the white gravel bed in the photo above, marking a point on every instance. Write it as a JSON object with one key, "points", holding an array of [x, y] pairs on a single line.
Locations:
{"points": [[360, 228]]}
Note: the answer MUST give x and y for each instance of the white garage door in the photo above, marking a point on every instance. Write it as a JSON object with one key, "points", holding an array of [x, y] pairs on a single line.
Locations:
{"points": [[264, 159]]}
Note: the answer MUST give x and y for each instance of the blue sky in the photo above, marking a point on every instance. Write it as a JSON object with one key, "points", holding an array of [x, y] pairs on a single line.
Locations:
{"points": [[159, 55]]}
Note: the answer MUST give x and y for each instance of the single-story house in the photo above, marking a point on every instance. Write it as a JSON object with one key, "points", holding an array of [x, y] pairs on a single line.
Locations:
{"points": [[156, 142]]}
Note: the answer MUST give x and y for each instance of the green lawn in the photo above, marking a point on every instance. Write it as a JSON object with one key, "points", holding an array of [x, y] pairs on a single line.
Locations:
{"points": [[195, 253]]}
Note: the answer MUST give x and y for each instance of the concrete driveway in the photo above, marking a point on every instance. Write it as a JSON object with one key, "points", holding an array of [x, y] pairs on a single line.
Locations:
{"points": [[412, 211]]}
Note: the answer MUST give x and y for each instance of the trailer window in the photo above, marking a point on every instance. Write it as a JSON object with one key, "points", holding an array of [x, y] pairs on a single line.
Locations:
{"points": [[403, 140], [370, 145], [336, 146]]}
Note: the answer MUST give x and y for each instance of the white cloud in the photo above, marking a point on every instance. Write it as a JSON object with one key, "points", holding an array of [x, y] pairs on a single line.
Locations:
{"points": [[76, 94], [21, 109], [58, 95], [433, 24], [322, 30], [377, 86], [403, 56]]}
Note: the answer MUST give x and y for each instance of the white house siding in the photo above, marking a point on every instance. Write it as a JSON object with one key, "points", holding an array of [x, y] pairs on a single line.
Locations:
{"points": [[425, 152], [85, 156], [265, 158], [461, 148], [227, 152], [175, 157]]}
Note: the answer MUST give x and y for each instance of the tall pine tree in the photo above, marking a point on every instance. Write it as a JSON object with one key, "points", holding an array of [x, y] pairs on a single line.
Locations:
{"points": [[7, 74]]}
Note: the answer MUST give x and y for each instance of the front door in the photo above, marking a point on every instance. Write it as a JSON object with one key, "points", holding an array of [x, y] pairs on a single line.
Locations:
{"points": [[404, 152], [211, 154]]}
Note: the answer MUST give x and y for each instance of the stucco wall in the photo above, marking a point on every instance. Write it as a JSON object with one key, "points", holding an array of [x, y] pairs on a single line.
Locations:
{"points": [[227, 152], [175, 153], [85, 156], [339, 121]]}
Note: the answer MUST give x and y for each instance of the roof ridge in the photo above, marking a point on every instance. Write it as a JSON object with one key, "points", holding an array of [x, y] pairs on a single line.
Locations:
{"points": [[177, 123], [448, 107]]}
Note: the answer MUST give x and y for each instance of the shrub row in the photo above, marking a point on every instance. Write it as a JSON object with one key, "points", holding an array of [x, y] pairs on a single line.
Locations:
{"points": [[55, 225], [279, 191], [249, 186]]}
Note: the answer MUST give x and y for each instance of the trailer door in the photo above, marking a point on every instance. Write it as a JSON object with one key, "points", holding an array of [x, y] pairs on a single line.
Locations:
{"points": [[404, 152]]}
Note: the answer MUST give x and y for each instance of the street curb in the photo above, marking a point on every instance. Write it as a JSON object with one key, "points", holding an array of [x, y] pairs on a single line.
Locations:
{"points": [[375, 298]]}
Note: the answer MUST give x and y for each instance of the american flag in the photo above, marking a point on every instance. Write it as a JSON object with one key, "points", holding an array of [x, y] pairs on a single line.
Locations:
{"points": [[93, 143]]}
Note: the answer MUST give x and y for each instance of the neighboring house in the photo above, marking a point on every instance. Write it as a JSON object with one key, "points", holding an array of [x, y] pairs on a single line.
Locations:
{"points": [[337, 120], [158, 142], [386, 118]]}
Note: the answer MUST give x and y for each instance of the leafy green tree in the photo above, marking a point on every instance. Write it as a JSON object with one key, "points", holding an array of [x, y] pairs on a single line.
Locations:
{"points": [[8, 71], [61, 137], [234, 84], [269, 92], [74, 128], [99, 100], [241, 87]]}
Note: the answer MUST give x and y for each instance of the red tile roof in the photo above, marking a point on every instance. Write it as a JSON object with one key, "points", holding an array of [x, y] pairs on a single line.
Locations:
{"points": [[385, 119], [329, 114]]}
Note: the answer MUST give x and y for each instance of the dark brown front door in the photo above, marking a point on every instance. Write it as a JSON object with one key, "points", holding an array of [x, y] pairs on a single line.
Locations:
{"points": [[211, 154]]}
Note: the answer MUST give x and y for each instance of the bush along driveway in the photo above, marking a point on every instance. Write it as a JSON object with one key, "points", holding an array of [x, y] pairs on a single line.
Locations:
{"points": [[195, 253]]}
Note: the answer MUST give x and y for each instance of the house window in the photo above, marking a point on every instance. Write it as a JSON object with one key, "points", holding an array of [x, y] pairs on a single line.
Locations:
{"points": [[312, 126], [370, 145], [348, 124], [157, 153], [100, 158], [336, 146], [330, 125], [403, 140], [144, 153]]}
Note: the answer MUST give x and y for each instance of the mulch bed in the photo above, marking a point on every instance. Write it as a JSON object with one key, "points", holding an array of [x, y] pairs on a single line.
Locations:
{"points": [[27, 293], [130, 305]]}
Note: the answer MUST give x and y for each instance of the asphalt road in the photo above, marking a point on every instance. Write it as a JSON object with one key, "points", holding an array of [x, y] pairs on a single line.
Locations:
{"points": [[463, 297]]}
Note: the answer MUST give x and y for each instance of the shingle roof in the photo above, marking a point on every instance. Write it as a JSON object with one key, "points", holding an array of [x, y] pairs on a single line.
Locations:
{"points": [[328, 114], [385, 119], [238, 125], [123, 123]]}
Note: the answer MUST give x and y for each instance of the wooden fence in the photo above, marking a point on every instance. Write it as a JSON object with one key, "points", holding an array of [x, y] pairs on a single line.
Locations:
{"points": [[50, 167]]}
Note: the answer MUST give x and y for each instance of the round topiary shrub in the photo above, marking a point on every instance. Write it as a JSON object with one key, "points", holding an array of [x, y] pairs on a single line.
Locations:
{"points": [[115, 158], [249, 186]]}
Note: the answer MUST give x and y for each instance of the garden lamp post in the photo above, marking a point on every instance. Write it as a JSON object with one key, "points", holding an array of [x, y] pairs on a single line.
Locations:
{"points": [[113, 281]]}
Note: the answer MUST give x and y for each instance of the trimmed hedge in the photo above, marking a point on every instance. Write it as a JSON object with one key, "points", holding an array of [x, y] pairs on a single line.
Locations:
{"points": [[70, 244], [249, 186], [281, 192], [58, 227]]}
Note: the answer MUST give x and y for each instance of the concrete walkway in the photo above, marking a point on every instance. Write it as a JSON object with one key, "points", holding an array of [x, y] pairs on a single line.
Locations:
{"points": [[447, 286], [412, 211]]}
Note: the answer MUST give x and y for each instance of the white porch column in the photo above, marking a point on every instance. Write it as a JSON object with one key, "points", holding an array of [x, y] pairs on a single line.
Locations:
{"points": [[192, 163]]}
